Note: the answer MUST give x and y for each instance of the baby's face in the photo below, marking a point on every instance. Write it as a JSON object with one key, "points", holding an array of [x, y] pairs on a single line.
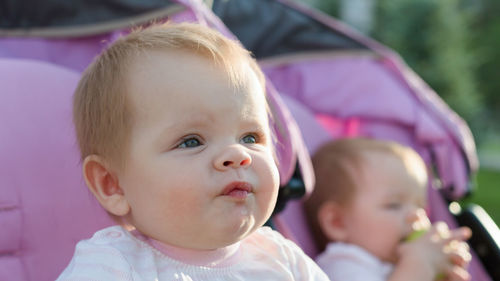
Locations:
{"points": [[384, 207], [200, 171]]}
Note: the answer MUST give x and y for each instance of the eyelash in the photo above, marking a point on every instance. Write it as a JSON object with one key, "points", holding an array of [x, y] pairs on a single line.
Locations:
{"points": [[258, 136], [189, 138]]}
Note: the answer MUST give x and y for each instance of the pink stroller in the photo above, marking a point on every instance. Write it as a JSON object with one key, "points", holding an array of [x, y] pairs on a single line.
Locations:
{"points": [[333, 82]]}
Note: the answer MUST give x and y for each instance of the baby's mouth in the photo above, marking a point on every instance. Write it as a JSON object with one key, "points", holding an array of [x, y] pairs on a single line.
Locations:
{"points": [[237, 190]]}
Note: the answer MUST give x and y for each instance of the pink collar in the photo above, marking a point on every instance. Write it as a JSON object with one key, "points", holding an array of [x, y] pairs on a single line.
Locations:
{"points": [[211, 258]]}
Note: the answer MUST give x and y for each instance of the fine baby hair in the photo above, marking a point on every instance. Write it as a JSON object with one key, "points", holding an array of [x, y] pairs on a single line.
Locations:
{"points": [[173, 126]]}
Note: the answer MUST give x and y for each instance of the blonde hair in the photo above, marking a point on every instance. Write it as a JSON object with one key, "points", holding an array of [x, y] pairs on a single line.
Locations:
{"points": [[101, 111], [338, 165]]}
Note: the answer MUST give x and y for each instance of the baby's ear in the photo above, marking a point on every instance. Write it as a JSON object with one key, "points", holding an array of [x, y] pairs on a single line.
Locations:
{"points": [[104, 184], [332, 221]]}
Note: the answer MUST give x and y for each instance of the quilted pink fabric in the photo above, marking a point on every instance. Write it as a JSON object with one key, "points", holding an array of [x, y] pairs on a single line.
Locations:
{"points": [[45, 207]]}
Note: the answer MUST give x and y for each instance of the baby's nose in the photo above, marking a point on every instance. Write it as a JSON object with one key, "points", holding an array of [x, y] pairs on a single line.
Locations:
{"points": [[233, 156]]}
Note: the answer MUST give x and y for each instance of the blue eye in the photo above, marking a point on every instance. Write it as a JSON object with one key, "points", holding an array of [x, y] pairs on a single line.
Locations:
{"points": [[249, 139], [189, 143]]}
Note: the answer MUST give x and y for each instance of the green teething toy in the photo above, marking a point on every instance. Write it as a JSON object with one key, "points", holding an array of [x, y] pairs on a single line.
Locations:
{"points": [[415, 234]]}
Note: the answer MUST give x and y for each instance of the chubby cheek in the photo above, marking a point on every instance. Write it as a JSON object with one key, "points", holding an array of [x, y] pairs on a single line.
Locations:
{"points": [[166, 206], [390, 238], [269, 183], [156, 189]]}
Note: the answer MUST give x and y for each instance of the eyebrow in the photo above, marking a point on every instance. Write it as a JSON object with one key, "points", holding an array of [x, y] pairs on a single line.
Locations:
{"points": [[395, 193], [193, 119], [177, 129], [205, 120]]}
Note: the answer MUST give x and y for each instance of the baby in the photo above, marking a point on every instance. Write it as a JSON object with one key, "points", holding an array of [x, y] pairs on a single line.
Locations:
{"points": [[172, 123], [368, 199]]}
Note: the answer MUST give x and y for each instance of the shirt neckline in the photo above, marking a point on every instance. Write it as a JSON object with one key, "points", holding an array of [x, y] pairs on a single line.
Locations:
{"points": [[221, 257]]}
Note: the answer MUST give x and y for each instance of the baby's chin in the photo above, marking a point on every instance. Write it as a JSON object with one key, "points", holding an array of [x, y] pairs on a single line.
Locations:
{"points": [[219, 243], [228, 235], [248, 220], [390, 257]]}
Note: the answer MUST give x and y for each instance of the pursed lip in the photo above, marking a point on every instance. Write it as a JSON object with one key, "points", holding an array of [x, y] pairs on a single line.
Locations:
{"points": [[237, 190]]}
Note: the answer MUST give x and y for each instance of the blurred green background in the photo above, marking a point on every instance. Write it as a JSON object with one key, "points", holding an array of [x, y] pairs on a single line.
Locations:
{"points": [[454, 45]]}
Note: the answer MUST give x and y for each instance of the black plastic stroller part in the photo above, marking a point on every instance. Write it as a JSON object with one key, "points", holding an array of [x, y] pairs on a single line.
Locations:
{"points": [[294, 189], [485, 238], [268, 28], [61, 13], [79, 18]]}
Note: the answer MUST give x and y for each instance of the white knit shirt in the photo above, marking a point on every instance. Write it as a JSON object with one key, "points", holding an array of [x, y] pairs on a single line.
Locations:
{"points": [[116, 254], [342, 262]]}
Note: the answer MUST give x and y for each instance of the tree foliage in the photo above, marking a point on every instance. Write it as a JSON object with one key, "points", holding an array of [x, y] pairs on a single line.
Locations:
{"points": [[486, 26], [434, 37]]}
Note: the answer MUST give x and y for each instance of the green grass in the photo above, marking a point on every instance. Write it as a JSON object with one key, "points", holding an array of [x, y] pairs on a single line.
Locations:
{"points": [[487, 193]]}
